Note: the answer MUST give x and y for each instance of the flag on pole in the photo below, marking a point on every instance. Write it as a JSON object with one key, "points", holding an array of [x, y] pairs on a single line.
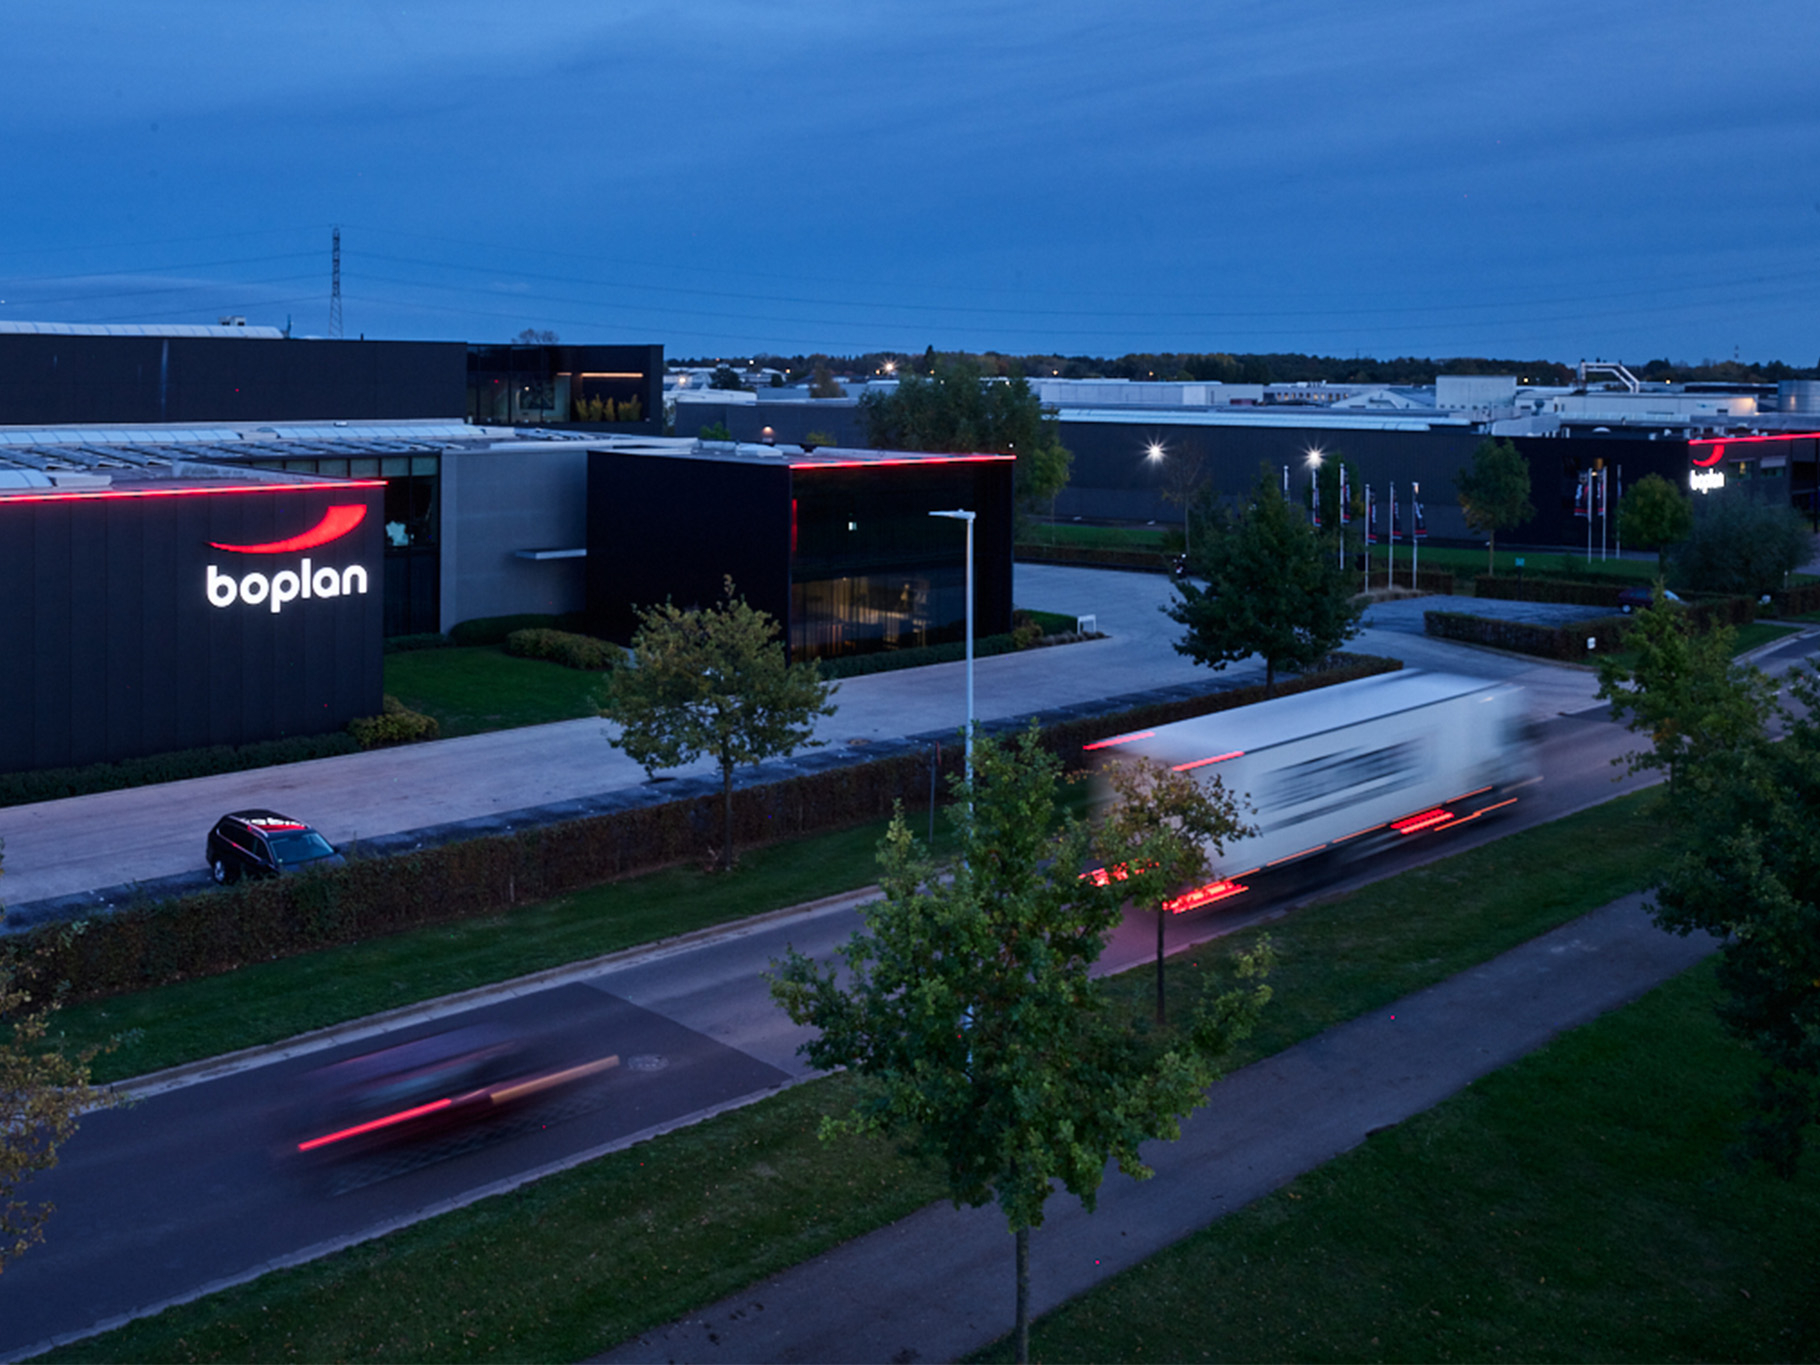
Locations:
{"points": [[1345, 511], [1371, 517], [1418, 527], [1396, 521], [1581, 497], [1602, 478], [1314, 500]]}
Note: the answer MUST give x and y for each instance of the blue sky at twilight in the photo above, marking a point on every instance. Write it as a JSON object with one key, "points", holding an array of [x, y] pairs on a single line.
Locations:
{"points": [[1532, 179]]}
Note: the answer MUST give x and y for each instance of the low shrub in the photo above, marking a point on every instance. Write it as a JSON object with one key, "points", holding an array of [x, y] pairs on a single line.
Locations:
{"points": [[1796, 601], [397, 724], [567, 648], [53, 784], [218, 930]]}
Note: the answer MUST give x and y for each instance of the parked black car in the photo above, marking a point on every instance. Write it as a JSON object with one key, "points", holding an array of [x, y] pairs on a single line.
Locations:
{"points": [[263, 843]]}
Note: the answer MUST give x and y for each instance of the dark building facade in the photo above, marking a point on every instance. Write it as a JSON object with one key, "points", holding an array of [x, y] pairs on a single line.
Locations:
{"points": [[63, 380], [153, 615], [839, 545]]}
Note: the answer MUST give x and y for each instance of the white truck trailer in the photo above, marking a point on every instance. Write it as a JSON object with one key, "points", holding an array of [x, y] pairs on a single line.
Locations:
{"points": [[1345, 769]]}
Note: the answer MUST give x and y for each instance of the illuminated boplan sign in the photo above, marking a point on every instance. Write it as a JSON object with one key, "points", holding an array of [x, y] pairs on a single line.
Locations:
{"points": [[1700, 480], [300, 581]]}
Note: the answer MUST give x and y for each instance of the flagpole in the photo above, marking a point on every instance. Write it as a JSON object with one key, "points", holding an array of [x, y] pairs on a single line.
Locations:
{"points": [[1415, 542]]}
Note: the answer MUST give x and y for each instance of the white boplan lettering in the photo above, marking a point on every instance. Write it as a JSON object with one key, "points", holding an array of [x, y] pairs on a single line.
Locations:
{"points": [[287, 585], [284, 588]]}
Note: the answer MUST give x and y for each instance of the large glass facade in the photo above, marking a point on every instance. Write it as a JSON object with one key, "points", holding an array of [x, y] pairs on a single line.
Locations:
{"points": [[870, 568]]}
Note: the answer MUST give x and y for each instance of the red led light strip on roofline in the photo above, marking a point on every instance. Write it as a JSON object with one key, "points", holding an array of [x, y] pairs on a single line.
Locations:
{"points": [[1718, 443], [873, 464], [96, 494]]}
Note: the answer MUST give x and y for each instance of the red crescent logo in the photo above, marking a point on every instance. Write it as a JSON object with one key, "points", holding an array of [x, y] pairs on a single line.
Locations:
{"points": [[335, 523], [1717, 455]]}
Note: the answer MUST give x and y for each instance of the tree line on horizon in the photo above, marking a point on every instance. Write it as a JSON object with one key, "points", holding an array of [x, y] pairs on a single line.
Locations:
{"points": [[1285, 367]]}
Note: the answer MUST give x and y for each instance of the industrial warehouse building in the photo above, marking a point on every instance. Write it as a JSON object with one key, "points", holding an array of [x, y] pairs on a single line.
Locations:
{"points": [[229, 574]]}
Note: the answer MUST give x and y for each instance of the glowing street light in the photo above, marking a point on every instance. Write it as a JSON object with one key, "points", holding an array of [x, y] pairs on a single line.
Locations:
{"points": [[1154, 450]]}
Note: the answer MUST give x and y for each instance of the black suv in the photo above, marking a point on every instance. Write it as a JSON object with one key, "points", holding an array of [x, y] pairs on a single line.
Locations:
{"points": [[263, 843]]}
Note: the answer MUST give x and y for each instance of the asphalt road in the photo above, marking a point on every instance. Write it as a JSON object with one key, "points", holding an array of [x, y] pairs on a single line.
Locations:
{"points": [[182, 1192]]}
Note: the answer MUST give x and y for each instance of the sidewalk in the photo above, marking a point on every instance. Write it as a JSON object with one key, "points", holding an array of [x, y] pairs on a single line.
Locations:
{"points": [[939, 1283]]}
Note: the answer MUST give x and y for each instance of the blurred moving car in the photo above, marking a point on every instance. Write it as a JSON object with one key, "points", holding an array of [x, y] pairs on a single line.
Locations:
{"points": [[1630, 599], [263, 843], [416, 1089]]}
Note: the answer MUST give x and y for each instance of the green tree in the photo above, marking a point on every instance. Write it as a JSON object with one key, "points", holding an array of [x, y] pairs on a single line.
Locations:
{"points": [[713, 681], [1654, 514], [1183, 480], [715, 431], [43, 1092], [1740, 545], [823, 384], [1748, 870], [1157, 837], [1681, 687], [1272, 589], [955, 410], [969, 1013], [726, 377], [1494, 493]]}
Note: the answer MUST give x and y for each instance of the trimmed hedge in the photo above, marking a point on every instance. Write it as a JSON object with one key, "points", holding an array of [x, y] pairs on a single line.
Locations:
{"points": [[584, 652], [888, 660], [1796, 601], [396, 724], [1566, 643], [53, 784], [1531, 589], [219, 930]]}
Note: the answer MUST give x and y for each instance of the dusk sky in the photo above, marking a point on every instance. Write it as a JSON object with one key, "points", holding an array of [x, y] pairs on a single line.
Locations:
{"points": [[1462, 177]]}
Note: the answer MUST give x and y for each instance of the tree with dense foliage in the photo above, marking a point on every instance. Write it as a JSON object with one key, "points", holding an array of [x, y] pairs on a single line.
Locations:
{"points": [[969, 1013], [1680, 687], [713, 681], [1158, 838], [823, 384], [1740, 545], [1748, 871], [1654, 514], [726, 377], [1271, 589], [43, 1092], [1494, 493], [956, 410]]}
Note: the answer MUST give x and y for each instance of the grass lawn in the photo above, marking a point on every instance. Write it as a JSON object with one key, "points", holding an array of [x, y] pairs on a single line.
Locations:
{"points": [[1101, 537], [1575, 1206], [1468, 563], [268, 1001], [478, 688], [587, 1258], [1758, 634]]}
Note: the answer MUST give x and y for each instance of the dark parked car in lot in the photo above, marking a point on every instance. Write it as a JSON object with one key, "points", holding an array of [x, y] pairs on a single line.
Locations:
{"points": [[1630, 599], [263, 843]]}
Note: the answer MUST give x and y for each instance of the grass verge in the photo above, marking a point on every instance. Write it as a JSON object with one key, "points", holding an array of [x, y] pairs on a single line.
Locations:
{"points": [[478, 688], [268, 1001], [1083, 536], [1577, 1205], [595, 1255]]}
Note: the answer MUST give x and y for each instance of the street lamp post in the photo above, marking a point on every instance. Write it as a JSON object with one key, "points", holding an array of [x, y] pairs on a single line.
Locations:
{"points": [[960, 514]]}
